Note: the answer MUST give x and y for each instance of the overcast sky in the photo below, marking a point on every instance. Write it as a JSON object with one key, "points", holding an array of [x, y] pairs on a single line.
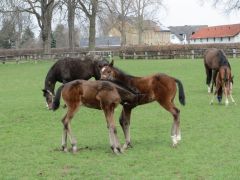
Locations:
{"points": [[191, 12]]}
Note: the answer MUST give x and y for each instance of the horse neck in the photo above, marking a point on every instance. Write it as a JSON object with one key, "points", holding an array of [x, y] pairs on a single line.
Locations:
{"points": [[50, 82], [125, 78]]}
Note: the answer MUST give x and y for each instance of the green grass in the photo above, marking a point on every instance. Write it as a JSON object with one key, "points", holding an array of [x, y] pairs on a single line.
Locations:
{"points": [[30, 135]]}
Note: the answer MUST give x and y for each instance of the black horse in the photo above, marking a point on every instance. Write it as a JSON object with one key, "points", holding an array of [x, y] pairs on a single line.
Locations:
{"points": [[69, 69]]}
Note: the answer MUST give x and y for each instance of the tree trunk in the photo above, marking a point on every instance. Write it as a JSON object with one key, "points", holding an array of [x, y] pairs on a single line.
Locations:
{"points": [[123, 33], [71, 19], [140, 29], [123, 28], [46, 28], [92, 33]]}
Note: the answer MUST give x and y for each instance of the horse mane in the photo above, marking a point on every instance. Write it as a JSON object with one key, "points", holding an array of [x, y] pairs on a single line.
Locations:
{"points": [[123, 85], [223, 59], [122, 73]]}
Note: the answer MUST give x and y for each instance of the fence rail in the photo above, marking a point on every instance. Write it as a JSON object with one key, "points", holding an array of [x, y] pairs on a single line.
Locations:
{"points": [[127, 54]]}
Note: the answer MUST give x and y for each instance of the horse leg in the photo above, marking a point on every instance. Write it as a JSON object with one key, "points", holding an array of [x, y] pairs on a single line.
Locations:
{"points": [[67, 130], [64, 136], [114, 142], [214, 75], [226, 95], [215, 93], [209, 77], [124, 121], [175, 131]]}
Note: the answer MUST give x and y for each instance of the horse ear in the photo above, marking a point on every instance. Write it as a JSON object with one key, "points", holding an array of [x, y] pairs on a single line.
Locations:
{"points": [[111, 63]]}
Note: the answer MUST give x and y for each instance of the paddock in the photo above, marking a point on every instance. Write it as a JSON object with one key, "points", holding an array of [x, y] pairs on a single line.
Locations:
{"points": [[30, 134]]}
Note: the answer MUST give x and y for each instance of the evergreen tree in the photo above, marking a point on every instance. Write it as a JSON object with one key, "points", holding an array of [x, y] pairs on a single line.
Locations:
{"points": [[7, 35], [53, 41], [27, 37]]}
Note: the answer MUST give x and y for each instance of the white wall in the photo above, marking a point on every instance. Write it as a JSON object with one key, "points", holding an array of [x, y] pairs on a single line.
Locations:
{"points": [[216, 40], [174, 39]]}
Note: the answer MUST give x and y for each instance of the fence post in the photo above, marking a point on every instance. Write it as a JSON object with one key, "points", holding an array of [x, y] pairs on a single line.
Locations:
{"points": [[146, 55], [17, 60], [124, 56], [234, 53], [110, 55], [192, 54], [158, 55], [134, 55]]}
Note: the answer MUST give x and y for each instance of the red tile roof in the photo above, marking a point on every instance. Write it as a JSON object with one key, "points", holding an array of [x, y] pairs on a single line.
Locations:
{"points": [[217, 31]]}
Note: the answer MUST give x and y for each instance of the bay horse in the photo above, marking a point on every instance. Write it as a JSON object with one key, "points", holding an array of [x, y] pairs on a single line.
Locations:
{"points": [[102, 95], [157, 87], [213, 59], [68, 69], [224, 83]]}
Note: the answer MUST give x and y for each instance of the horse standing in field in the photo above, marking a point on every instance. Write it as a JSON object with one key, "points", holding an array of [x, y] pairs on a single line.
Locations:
{"points": [[68, 69], [103, 95], [224, 81], [158, 87], [213, 59]]}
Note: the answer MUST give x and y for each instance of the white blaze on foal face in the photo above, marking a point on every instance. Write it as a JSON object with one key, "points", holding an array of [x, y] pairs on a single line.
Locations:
{"points": [[105, 73]]}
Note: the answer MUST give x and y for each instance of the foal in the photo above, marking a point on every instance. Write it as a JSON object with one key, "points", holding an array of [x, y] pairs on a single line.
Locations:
{"points": [[224, 84], [102, 95], [157, 87]]}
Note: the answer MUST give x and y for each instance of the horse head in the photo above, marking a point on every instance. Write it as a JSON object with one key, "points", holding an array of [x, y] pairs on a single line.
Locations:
{"points": [[49, 98], [107, 72], [99, 62]]}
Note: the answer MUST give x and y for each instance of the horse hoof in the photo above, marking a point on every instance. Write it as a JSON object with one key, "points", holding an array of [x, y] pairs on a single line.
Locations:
{"points": [[64, 149], [174, 145], [116, 151], [127, 146], [74, 149], [179, 138]]}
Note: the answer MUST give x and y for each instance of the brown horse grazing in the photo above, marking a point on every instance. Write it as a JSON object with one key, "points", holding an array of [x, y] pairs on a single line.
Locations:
{"points": [[213, 59], [158, 87], [69, 69], [103, 95], [224, 81]]}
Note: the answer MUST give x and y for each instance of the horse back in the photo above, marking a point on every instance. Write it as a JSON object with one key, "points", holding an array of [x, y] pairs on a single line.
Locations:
{"points": [[73, 68], [92, 94], [156, 86]]}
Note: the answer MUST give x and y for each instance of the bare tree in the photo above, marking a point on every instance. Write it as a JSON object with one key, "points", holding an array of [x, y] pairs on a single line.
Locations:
{"points": [[119, 10], [41, 9], [9, 10], [90, 8], [71, 4], [141, 9], [227, 6]]}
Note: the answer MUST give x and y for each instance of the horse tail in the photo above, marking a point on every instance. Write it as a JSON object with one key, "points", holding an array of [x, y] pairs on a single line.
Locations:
{"points": [[56, 100], [181, 93]]}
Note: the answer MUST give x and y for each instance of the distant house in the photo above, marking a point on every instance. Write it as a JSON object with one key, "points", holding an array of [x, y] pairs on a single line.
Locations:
{"points": [[152, 33], [182, 34], [217, 34], [102, 42]]}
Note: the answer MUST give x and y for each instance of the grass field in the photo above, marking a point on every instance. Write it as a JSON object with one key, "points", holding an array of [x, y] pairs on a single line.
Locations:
{"points": [[30, 135]]}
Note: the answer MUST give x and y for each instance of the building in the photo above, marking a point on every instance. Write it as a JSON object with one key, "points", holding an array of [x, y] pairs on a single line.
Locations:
{"points": [[152, 33], [102, 42], [182, 34], [217, 34]]}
